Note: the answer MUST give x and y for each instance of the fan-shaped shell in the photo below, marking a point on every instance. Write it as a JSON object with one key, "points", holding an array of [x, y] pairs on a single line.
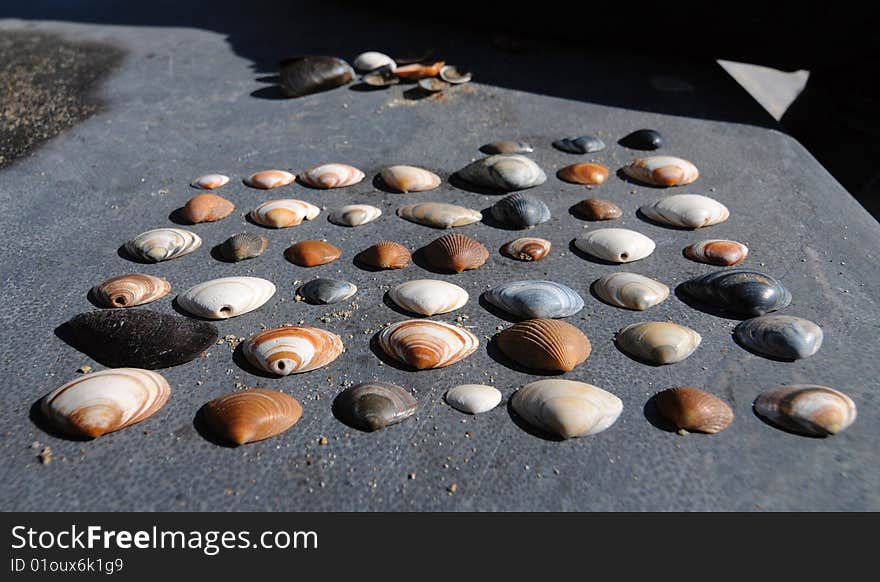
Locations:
{"points": [[386, 255], [207, 208], [292, 349], [311, 253], [210, 181], [597, 209], [585, 144], [251, 415], [535, 299], [425, 344], [416, 71], [106, 401], [806, 409], [283, 213], [617, 245], [163, 244], [332, 176], [565, 408], [354, 215], [520, 211], [643, 139], [372, 60], [686, 210], [630, 290], [473, 398], [506, 146], [662, 171], [456, 252], [428, 296], [694, 410], [585, 173], [243, 246], [658, 342], [269, 179], [740, 292], [780, 336], [312, 74], [723, 253], [409, 179], [130, 290], [439, 214], [326, 291], [504, 172], [545, 344], [226, 297], [527, 249], [373, 405]]}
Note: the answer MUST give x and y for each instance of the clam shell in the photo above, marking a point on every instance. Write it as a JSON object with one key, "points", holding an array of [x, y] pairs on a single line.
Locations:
{"points": [[433, 85], [451, 74], [311, 253], [409, 179], [503, 172], [381, 77], [586, 144], [312, 74], [617, 245], [545, 344], [417, 71], [584, 173], [106, 401], [643, 139], [527, 249], [473, 398], [130, 290], [283, 213], [292, 349], [740, 292], [163, 244], [439, 214], [373, 405], [207, 208], [662, 171], [597, 209], [327, 291], [243, 246], [251, 415], [332, 176], [723, 253], [506, 146], [780, 336], [226, 297], [354, 215], [428, 296], [806, 409], [425, 344], [269, 179], [456, 252], [520, 211], [210, 181], [694, 410], [630, 291], [386, 255], [658, 342], [565, 408], [372, 60], [535, 299], [686, 210]]}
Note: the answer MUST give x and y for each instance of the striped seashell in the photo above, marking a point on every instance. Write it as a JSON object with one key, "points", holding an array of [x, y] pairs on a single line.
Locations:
{"points": [[473, 398], [106, 401], [373, 405], [806, 409], [372, 60], [686, 210], [283, 213], [740, 292], [504, 172], [527, 249], [311, 253], [658, 342], [597, 209], [565, 408], [584, 173], [545, 344], [630, 291], [332, 176], [617, 245], [428, 296], [694, 410], [207, 208], [535, 299], [520, 211], [385, 255], [226, 297], [354, 215], [409, 179], [662, 171], [327, 291], [251, 415], [210, 181], [418, 71], [130, 290], [722, 253], [780, 336], [269, 179], [292, 349], [456, 252], [243, 246], [163, 244], [439, 214], [507, 146], [425, 344]]}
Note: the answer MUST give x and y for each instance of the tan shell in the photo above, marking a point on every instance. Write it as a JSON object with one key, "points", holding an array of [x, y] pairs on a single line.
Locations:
{"points": [[686, 210], [417, 71], [807, 409], [354, 215], [210, 181], [311, 253], [527, 249], [658, 342], [597, 209], [694, 410], [584, 173], [566, 408], [251, 415], [662, 171], [439, 214], [386, 255], [207, 208], [630, 290], [425, 344], [163, 244], [332, 176], [292, 349], [243, 246], [545, 344], [456, 252], [409, 179], [284, 213], [130, 290], [268, 179], [723, 253]]}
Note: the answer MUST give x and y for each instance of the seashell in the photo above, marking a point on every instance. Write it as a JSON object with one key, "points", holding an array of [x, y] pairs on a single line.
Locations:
{"points": [[520, 210], [643, 139], [226, 297], [381, 77], [130, 290], [662, 171], [597, 209], [433, 85], [207, 208], [694, 410], [292, 349], [251, 415], [373, 405], [312, 74], [269, 179], [163, 244], [473, 398], [326, 291], [416, 71], [507, 147], [210, 181], [565, 408], [283, 213], [428, 296], [686, 210], [139, 338], [739, 292], [527, 249], [425, 344], [658, 342], [451, 74], [780, 336], [311, 253], [243, 246], [105, 401], [409, 179], [456, 252], [584, 173], [386, 255], [617, 245], [545, 344], [630, 290], [332, 176], [372, 60], [806, 409], [439, 214], [354, 215], [535, 299], [586, 144], [719, 252], [503, 172]]}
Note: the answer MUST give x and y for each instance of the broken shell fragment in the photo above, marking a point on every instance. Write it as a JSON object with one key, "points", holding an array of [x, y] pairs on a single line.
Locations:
{"points": [[722, 253], [163, 244], [617, 245], [779, 336], [504, 172], [473, 398], [565, 408], [584, 173], [226, 297], [451, 74], [535, 299], [686, 211], [283, 213], [739, 292], [597, 209], [269, 179], [130, 290], [327, 291], [428, 296], [658, 342], [373, 405], [311, 253], [432, 85], [372, 60], [381, 77], [439, 214], [207, 208], [507, 147], [693, 410], [545, 344], [426, 344], [643, 139], [210, 181], [409, 179], [417, 71], [586, 144], [527, 249], [292, 349], [328, 176], [243, 246], [354, 215], [520, 211], [806, 409], [630, 291], [385, 255], [662, 171], [456, 252], [312, 74], [251, 415]]}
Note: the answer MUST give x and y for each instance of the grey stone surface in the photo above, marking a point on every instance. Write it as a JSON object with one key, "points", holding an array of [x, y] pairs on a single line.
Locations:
{"points": [[185, 101]]}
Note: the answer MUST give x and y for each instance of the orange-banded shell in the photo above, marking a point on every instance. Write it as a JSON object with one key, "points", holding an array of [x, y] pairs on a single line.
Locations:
{"points": [[243, 246], [694, 410], [163, 244], [210, 181], [723, 253], [806, 409], [284, 213], [130, 290], [311, 253], [418, 71], [385, 255], [409, 179], [527, 249], [292, 349], [584, 173], [268, 179], [251, 415], [425, 344], [662, 171], [332, 176], [597, 209], [456, 252], [207, 208], [545, 344]]}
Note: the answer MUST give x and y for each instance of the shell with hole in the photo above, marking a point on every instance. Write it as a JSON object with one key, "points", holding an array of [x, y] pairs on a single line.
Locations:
{"points": [[292, 349], [226, 297], [130, 290], [616, 245]]}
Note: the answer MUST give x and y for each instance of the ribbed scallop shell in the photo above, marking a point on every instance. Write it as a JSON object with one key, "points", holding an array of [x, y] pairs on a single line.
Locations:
{"points": [[425, 344], [456, 252], [520, 211], [163, 244], [439, 214], [658, 342], [428, 296], [210, 181], [386, 255], [686, 211], [723, 253], [373, 405], [584, 173], [251, 415], [106, 401], [268, 179], [597, 209], [505, 172], [292, 349], [130, 290], [662, 171], [311, 253], [565, 408], [806, 409], [617, 245], [354, 215], [694, 410], [740, 292], [372, 60], [226, 297], [780, 336], [332, 176], [327, 291], [506, 146], [535, 299], [473, 398], [284, 213], [409, 179], [630, 291], [545, 344], [243, 246], [207, 208], [527, 249]]}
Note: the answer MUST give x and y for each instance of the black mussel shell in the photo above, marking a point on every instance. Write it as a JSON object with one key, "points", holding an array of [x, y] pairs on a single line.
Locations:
{"points": [[585, 144], [313, 74], [738, 292], [643, 139]]}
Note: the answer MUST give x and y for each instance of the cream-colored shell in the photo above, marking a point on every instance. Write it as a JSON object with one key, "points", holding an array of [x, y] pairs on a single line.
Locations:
{"points": [[630, 290], [226, 297], [617, 245], [354, 215], [566, 408], [473, 398], [409, 179], [332, 176], [429, 296], [162, 244], [268, 179], [662, 171], [372, 60], [283, 213], [439, 214], [658, 342], [427, 344], [210, 181], [686, 210]]}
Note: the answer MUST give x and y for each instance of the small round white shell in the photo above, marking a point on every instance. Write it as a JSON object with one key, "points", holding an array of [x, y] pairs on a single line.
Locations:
{"points": [[473, 398]]}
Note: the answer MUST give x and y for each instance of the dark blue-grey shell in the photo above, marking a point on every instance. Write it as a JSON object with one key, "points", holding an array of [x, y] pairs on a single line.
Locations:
{"points": [[780, 336], [740, 292], [520, 211], [325, 291], [585, 144], [535, 299]]}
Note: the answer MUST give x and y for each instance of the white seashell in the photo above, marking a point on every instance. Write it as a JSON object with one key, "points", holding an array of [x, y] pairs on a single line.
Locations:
{"points": [[226, 297], [372, 60], [162, 244], [332, 176], [210, 181], [630, 290], [354, 215], [686, 210], [566, 408], [269, 179], [292, 349], [409, 179], [429, 296], [662, 171], [283, 213], [473, 398], [439, 214], [618, 245], [425, 344]]}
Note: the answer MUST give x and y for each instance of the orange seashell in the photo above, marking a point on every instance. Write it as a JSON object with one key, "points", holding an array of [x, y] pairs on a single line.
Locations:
{"points": [[527, 249], [597, 209], [207, 208], [584, 173], [210, 181], [251, 415], [426, 344], [694, 410], [268, 179], [311, 253], [545, 344], [332, 176], [418, 71], [283, 213], [456, 252], [717, 252], [130, 290], [292, 349], [386, 255]]}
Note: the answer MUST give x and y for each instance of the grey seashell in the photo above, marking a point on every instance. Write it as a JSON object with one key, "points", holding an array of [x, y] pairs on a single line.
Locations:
{"points": [[586, 144], [373, 405], [520, 211], [504, 172], [473, 398], [312, 74], [451, 74], [507, 147], [780, 336], [740, 292], [163, 244], [630, 290], [658, 342], [432, 84], [686, 211], [439, 214], [617, 245], [326, 291], [806, 409], [565, 408], [354, 215], [372, 60], [535, 299], [243, 246]]}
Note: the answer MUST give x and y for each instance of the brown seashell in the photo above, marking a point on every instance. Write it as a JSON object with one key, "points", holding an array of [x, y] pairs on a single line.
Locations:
{"points": [[694, 410], [418, 71], [597, 209], [243, 246], [426, 344], [268, 179], [723, 253], [292, 349], [456, 252], [130, 290], [386, 255], [527, 249], [806, 409], [332, 176], [210, 181], [207, 208], [283, 213], [545, 344], [251, 415], [584, 173], [311, 253]]}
